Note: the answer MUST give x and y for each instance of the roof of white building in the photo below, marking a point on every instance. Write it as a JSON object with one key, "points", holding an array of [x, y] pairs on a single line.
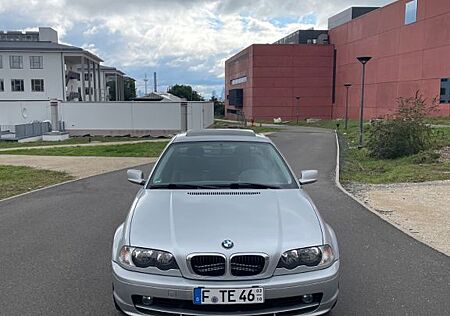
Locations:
{"points": [[112, 70], [44, 47]]}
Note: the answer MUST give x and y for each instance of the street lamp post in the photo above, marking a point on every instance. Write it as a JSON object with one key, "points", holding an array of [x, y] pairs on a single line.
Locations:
{"points": [[347, 86], [363, 60], [298, 108]]}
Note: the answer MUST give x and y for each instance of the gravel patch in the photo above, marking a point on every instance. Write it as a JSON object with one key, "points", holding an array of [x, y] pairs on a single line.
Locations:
{"points": [[78, 167], [421, 208]]}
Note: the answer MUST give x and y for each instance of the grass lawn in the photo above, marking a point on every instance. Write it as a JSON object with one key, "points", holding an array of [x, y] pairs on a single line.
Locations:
{"points": [[72, 140], [358, 166], [125, 150], [257, 129], [16, 180]]}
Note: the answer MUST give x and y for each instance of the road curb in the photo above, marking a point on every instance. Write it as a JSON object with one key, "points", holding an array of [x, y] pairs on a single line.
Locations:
{"points": [[368, 207]]}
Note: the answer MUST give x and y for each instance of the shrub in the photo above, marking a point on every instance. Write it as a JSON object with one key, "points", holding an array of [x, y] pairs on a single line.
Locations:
{"points": [[405, 133], [426, 157]]}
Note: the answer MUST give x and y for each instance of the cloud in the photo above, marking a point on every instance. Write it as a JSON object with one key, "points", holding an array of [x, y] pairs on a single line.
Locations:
{"points": [[183, 40]]}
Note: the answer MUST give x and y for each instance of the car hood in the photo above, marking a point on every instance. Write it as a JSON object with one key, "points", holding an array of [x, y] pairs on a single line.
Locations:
{"points": [[185, 222]]}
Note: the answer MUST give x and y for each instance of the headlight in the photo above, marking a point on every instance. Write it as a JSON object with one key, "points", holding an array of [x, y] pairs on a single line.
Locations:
{"points": [[310, 257], [145, 258]]}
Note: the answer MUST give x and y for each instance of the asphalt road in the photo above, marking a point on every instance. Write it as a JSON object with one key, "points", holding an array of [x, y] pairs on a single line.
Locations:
{"points": [[55, 245]]}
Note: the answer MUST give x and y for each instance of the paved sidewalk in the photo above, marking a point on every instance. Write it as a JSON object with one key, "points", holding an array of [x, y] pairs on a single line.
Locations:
{"points": [[78, 167]]}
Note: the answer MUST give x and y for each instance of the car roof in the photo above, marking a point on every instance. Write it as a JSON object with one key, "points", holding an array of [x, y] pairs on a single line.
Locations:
{"points": [[245, 135]]}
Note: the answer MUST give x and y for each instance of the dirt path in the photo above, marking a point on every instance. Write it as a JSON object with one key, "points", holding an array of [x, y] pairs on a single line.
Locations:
{"points": [[79, 167], [421, 208]]}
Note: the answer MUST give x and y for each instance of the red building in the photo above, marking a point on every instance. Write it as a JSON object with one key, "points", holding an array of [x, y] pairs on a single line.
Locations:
{"points": [[408, 40]]}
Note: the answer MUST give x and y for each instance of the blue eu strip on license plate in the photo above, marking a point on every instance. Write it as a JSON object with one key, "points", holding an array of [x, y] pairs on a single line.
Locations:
{"points": [[203, 296], [197, 296]]}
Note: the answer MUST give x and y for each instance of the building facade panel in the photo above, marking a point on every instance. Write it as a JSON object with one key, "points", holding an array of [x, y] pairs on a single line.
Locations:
{"points": [[389, 17], [387, 69]]}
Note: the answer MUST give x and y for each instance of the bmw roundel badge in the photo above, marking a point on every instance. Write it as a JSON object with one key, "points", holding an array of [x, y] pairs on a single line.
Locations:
{"points": [[227, 244]]}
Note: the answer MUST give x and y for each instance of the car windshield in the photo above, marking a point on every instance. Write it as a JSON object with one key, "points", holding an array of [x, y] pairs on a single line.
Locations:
{"points": [[221, 164]]}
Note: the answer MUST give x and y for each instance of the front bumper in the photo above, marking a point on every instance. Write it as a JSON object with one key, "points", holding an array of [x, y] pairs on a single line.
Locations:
{"points": [[324, 283]]}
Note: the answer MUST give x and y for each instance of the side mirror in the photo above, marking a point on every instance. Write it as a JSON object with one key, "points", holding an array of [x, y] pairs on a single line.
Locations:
{"points": [[136, 176], [309, 176]]}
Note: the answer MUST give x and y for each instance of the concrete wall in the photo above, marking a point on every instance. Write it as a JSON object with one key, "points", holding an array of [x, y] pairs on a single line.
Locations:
{"points": [[21, 112], [277, 74], [406, 58], [52, 73], [121, 116], [112, 118], [208, 114]]}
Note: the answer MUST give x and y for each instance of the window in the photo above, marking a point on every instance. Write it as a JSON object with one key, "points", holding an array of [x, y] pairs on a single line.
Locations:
{"points": [[445, 90], [221, 164], [239, 80], [236, 97], [17, 85], [86, 76], [2, 85], [36, 62], [15, 62], [37, 85], [411, 12], [88, 91]]}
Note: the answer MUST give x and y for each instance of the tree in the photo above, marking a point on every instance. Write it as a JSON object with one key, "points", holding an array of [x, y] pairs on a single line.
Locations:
{"points": [[129, 89], [186, 92], [219, 107]]}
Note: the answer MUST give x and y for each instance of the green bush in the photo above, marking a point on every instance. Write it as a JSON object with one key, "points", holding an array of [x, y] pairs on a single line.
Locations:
{"points": [[405, 133]]}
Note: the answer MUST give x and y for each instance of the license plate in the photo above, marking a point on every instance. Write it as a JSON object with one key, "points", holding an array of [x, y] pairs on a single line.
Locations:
{"points": [[253, 295]]}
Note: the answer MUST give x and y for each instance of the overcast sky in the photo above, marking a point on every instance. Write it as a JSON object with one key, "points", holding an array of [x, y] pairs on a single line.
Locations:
{"points": [[184, 41]]}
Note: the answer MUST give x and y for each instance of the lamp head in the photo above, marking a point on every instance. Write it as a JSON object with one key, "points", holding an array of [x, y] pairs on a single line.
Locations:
{"points": [[347, 85], [364, 59]]}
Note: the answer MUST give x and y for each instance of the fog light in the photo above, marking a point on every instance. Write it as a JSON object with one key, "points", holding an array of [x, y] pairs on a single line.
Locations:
{"points": [[147, 300], [307, 298]]}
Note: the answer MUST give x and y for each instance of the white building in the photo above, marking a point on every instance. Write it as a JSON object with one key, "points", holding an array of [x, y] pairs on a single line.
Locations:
{"points": [[35, 66]]}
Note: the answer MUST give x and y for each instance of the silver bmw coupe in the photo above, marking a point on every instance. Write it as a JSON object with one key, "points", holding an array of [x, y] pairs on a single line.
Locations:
{"points": [[223, 227]]}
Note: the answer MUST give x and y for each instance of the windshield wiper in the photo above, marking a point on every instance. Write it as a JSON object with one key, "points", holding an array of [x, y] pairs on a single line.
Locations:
{"points": [[181, 186], [248, 185]]}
